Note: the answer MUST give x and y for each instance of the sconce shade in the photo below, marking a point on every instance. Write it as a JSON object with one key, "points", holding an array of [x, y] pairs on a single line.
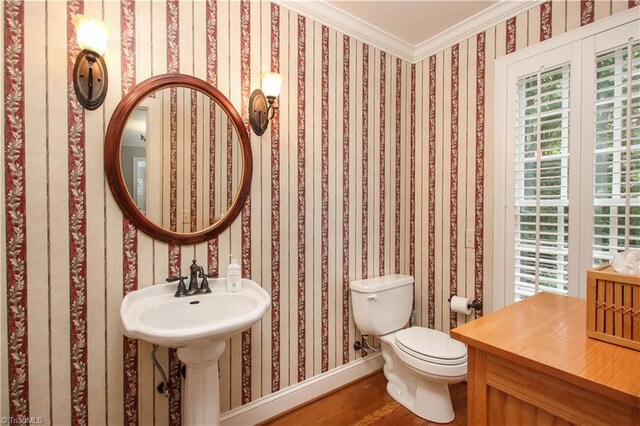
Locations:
{"points": [[92, 33], [271, 84]]}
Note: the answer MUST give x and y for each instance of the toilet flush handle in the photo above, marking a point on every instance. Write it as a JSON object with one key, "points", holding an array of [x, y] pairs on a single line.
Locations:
{"points": [[373, 297]]}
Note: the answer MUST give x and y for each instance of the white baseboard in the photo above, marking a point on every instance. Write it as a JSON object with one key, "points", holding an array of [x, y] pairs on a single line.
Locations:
{"points": [[286, 399]]}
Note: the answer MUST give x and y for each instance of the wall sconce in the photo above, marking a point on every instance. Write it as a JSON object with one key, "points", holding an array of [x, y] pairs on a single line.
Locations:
{"points": [[90, 79], [261, 108]]}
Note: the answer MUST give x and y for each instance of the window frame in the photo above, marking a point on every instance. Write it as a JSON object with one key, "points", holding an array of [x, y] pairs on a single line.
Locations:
{"points": [[578, 48]]}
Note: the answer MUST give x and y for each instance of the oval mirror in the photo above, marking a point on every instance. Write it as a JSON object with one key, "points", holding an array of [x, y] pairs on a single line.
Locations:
{"points": [[178, 159]]}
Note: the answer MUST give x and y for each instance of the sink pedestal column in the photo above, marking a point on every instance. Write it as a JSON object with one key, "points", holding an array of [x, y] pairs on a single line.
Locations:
{"points": [[202, 385]]}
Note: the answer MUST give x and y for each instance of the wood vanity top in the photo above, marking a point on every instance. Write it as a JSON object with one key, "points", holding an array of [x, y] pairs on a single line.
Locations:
{"points": [[547, 333]]}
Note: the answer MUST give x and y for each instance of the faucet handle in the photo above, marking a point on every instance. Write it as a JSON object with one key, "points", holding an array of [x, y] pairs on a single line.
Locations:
{"points": [[204, 287], [182, 289], [202, 274]]}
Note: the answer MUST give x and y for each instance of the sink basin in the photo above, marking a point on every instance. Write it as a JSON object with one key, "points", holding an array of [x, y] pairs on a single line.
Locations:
{"points": [[155, 315], [197, 326]]}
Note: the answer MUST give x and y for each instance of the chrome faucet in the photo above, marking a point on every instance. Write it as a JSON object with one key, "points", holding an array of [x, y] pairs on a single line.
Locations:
{"points": [[195, 273]]}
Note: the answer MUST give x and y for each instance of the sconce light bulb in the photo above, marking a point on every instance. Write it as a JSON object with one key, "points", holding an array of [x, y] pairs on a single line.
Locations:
{"points": [[92, 33], [271, 84]]}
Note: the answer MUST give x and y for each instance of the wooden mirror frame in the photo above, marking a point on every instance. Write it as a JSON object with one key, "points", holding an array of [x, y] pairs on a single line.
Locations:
{"points": [[113, 165]]}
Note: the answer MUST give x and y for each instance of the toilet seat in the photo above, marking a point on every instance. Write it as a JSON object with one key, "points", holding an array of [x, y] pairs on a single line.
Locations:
{"points": [[444, 373], [431, 346]]}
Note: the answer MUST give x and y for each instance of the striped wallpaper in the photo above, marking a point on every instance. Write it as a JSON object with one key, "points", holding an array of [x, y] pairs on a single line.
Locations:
{"points": [[320, 184], [371, 166], [454, 181]]}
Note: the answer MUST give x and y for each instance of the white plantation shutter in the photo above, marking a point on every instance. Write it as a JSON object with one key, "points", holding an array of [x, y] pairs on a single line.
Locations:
{"points": [[542, 183], [616, 189], [567, 159]]}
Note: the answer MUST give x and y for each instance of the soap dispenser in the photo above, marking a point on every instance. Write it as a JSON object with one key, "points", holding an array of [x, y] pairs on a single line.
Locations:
{"points": [[234, 276]]}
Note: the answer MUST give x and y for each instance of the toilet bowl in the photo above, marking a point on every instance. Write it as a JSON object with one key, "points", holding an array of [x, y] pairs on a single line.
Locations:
{"points": [[420, 381], [419, 363]]}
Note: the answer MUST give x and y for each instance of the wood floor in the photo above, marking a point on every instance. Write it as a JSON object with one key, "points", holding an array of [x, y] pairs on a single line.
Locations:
{"points": [[367, 402]]}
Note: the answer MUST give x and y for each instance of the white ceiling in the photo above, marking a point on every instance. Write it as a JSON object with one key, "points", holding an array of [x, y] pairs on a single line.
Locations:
{"points": [[410, 30], [413, 21]]}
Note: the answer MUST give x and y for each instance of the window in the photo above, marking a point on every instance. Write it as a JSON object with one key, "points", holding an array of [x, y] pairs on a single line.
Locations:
{"points": [[567, 164], [616, 198], [542, 183]]}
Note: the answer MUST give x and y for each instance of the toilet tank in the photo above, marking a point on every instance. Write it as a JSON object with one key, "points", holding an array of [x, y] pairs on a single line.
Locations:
{"points": [[382, 304]]}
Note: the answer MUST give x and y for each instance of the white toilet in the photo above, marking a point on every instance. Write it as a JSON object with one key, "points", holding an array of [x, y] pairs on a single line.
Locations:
{"points": [[419, 362]]}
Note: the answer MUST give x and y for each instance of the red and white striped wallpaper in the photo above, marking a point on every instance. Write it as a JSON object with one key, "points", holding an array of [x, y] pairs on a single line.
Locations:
{"points": [[323, 198], [370, 166], [454, 181]]}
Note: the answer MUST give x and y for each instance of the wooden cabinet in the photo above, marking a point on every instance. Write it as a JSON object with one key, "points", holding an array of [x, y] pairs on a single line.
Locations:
{"points": [[532, 363]]}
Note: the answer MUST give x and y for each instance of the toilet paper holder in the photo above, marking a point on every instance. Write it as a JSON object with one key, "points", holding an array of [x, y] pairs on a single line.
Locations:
{"points": [[475, 303]]}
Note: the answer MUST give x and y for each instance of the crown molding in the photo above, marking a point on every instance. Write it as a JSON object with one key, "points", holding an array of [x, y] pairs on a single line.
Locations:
{"points": [[331, 16], [479, 22]]}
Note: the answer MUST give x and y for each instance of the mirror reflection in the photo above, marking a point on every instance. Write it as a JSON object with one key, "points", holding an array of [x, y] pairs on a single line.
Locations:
{"points": [[181, 159]]}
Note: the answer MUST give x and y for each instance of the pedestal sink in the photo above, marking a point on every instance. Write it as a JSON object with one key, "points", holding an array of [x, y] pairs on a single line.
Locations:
{"points": [[197, 326]]}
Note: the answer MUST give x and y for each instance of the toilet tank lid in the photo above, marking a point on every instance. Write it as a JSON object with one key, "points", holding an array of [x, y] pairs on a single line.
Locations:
{"points": [[385, 282]]}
